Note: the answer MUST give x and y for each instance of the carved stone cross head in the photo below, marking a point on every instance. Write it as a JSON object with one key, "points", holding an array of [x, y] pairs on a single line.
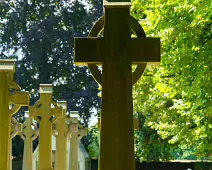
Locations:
{"points": [[140, 51]]}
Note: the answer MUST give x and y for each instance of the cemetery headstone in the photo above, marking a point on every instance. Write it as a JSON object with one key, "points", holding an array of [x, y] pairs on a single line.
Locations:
{"points": [[45, 111], [62, 135], [73, 158], [11, 99], [29, 133], [82, 132], [116, 52]]}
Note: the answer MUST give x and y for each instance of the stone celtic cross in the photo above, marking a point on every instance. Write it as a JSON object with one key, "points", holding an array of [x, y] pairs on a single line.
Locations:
{"points": [[61, 132], [116, 51], [73, 157], [29, 133], [45, 111], [11, 100]]}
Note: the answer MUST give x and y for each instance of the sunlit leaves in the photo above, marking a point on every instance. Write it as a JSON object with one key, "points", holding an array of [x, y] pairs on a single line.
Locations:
{"points": [[176, 99]]}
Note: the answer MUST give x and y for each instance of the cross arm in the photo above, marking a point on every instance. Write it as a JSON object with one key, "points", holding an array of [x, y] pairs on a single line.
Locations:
{"points": [[144, 50], [88, 51], [20, 98], [57, 111], [82, 132], [141, 50], [33, 111]]}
